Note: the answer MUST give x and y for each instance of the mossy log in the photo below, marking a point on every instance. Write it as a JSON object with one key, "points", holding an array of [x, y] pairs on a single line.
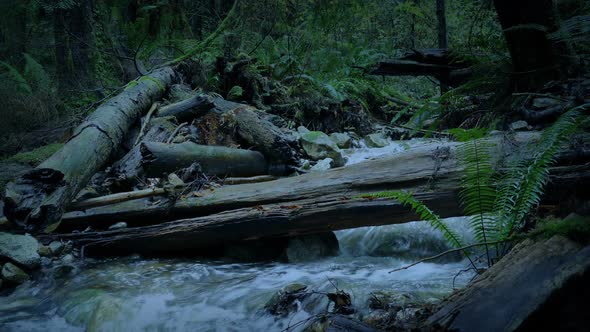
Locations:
{"points": [[160, 158], [431, 172], [37, 200], [188, 109]]}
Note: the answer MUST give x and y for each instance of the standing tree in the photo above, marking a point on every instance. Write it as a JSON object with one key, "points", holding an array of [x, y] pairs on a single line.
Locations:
{"points": [[526, 25]]}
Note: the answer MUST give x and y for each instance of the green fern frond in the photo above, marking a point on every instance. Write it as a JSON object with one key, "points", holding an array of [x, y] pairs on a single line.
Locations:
{"points": [[423, 211], [522, 190], [20, 83], [36, 75]]}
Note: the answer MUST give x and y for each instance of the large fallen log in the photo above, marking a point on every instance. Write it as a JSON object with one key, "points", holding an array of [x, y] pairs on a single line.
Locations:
{"points": [[37, 200], [159, 158], [427, 170]]}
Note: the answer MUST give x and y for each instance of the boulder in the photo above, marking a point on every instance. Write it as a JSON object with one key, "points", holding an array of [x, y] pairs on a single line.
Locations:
{"points": [[13, 274], [21, 249], [56, 247], [376, 140], [285, 300], [543, 103], [519, 125], [322, 165], [319, 146], [311, 247], [342, 140], [539, 285]]}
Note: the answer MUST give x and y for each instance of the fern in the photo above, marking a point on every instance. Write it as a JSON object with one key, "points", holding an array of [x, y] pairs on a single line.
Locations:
{"points": [[20, 83], [36, 75], [522, 190]]}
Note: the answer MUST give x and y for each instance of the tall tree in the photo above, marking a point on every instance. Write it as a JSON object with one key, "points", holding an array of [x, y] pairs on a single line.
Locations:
{"points": [[526, 25]]}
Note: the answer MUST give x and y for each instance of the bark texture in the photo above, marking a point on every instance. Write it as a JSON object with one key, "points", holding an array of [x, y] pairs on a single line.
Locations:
{"points": [[37, 200]]}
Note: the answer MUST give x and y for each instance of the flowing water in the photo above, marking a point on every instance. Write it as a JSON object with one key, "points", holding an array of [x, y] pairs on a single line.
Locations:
{"points": [[138, 294]]}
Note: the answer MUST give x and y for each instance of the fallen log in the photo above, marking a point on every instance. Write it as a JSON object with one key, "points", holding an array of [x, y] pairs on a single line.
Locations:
{"points": [[188, 109], [430, 168], [125, 172], [37, 200], [159, 158]]}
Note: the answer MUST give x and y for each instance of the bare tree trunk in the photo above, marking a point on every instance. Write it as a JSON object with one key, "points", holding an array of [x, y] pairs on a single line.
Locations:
{"points": [[442, 36], [535, 59]]}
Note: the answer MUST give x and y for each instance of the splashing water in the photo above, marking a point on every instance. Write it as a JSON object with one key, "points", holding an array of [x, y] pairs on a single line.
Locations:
{"points": [[135, 294], [364, 153]]}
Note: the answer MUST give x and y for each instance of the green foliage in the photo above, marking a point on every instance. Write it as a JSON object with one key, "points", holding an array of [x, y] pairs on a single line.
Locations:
{"points": [[521, 189], [15, 79], [36, 75], [37, 156], [423, 211], [235, 92], [575, 227]]}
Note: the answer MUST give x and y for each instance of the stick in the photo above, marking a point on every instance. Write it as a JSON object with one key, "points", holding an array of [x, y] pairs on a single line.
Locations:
{"points": [[176, 131], [146, 122]]}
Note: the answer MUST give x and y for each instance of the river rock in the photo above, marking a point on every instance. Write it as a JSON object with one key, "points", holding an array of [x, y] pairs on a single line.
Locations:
{"points": [[44, 251], [285, 300], [519, 125], [342, 140], [322, 165], [311, 247], [539, 285], [319, 146], [14, 274], [376, 140], [543, 103], [56, 247], [302, 130], [21, 249]]}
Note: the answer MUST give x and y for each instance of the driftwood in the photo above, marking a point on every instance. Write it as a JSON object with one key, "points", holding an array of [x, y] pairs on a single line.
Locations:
{"points": [[430, 171], [159, 158], [37, 200], [188, 109]]}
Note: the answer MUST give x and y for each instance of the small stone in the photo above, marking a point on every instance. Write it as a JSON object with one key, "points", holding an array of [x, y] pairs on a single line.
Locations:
{"points": [[519, 125], [175, 181], [21, 249], [322, 165], [14, 274], [67, 259], [56, 247], [306, 165], [376, 140], [342, 140], [119, 225], [44, 251]]}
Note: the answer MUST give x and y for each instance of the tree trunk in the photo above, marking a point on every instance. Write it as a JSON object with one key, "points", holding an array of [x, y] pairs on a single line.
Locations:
{"points": [[428, 171], [36, 201], [526, 25], [126, 171], [159, 158], [188, 109], [442, 37]]}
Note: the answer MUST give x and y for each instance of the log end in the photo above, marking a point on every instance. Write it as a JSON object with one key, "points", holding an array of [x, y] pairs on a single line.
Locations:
{"points": [[31, 203]]}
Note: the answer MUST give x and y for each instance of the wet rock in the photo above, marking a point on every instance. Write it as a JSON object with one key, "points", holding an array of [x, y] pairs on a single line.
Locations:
{"points": [[21, 249], [119, 225], [175, 181], [302, 130], [56, 247], [336, 323], [519, 125], [322, 165], [318, 145], [342, 140], [14, 274], [312, 247], [376, 140], [526, 290], [44, 251], [67, 259], [287, 299]]}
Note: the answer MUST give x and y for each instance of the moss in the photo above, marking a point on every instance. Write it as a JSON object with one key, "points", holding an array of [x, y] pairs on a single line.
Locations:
{"points": [[37, 156], [313, 135], [151, 79], [131, 84], [575, 227]]}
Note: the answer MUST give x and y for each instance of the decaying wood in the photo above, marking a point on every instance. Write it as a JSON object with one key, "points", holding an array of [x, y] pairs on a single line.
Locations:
{"points": [[430, 171], [126, 172], [37, 200], [253, 179], [159, 158], [117, 198], [188, 109]]}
